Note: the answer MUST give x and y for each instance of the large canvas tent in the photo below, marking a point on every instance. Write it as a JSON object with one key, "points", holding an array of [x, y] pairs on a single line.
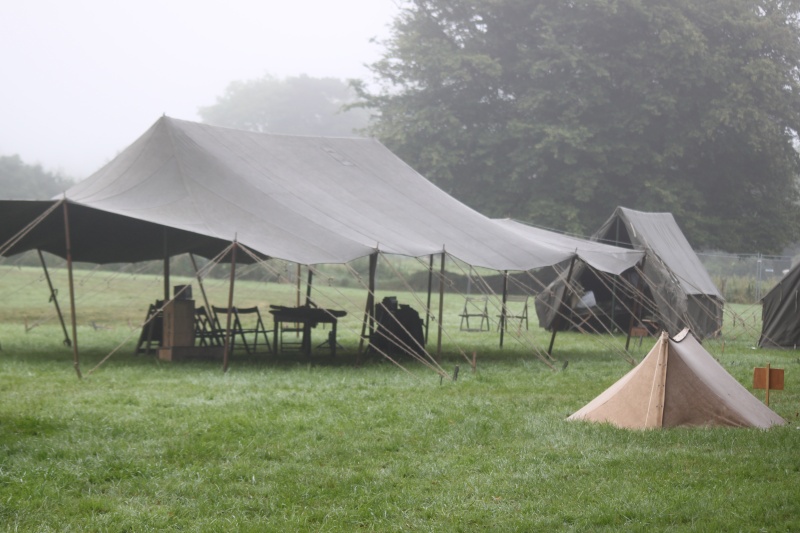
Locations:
{"points": [[678, 383], [674, 292], [188, 187], [309, 200], [780, 313]]}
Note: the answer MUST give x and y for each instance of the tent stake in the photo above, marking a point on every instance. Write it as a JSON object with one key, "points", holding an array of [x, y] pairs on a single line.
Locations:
{"points": [[68, 244], [54, 299], [227, 349]]}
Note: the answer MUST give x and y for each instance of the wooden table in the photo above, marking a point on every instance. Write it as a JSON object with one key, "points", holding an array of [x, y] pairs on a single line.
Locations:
{"points": [[308, 317]]}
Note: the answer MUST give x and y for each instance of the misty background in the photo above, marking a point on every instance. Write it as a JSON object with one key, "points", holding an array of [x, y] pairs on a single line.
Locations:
{"points": [[83, 79]]}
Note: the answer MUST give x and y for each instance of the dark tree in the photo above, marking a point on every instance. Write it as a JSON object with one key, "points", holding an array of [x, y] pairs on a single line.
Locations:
{"points": [[19, 181], [557, 111], [297, 105]]}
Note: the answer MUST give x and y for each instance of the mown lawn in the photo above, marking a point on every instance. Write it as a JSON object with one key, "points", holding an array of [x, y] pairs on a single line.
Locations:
{"points": [[288, 444]]}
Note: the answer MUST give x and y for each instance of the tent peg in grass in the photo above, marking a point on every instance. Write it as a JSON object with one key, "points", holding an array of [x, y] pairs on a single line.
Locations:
{"points": [[455, 374]]}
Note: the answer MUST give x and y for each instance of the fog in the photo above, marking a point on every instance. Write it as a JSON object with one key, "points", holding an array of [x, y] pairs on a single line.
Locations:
{"points": [[83, 79]]}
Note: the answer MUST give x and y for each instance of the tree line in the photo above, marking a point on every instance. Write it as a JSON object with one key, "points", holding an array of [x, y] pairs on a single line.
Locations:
{"points": [[22, 181], [555, 112]]}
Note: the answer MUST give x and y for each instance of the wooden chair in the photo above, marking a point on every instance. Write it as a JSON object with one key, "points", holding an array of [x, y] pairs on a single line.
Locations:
{"points": [[516, 312], [475, 307], [245, 321], [153, 330], [206, 329]]}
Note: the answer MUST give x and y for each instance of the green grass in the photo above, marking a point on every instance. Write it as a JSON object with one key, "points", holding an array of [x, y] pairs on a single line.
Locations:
{"points": [[282, 444]]}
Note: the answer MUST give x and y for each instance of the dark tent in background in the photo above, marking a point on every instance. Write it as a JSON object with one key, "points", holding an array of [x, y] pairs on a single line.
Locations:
{"points": [[677, 291], [678, 383], [780, 313]]}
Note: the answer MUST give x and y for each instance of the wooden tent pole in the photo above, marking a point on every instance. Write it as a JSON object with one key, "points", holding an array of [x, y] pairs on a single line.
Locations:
{"points": [[308, 285], [369, 310], [200, 282], [430, 290], [560, 307], [227, 349], [68, 245], [441, 308], [166, 266], [54, 299], [299, 282], [637, 304], [503, 309]]}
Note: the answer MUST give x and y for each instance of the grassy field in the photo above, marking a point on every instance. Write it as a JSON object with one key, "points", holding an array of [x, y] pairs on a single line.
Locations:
{"points": [[288, 444]]}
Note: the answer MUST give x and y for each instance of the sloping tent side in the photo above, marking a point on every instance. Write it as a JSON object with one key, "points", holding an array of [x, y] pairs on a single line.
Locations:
{"points": [[697, 391], [636, 400], [700, 392], [780, 313]]}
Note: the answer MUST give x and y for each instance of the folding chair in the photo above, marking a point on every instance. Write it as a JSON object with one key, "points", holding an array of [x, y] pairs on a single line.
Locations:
{"points": [[516, 312], [153, 330], [475, 307], [206, 329], [255, 326]]}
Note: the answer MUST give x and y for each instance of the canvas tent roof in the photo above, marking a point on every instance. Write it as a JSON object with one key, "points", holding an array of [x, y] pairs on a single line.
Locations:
{"points": [[660, 233], [780, 313], [308, 200], [604, 257], [678, 383]]}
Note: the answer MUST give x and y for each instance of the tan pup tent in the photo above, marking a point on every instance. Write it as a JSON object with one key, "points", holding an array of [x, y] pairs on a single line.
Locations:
{"points": [[678, 384]]}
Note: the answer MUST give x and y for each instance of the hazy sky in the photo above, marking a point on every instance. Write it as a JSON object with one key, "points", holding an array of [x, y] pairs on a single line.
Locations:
{"points": [[82, 79]]}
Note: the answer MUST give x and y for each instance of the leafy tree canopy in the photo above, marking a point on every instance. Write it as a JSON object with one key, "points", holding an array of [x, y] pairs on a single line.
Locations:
{"points": [[296, 105], [19, 181], [557, 111]]}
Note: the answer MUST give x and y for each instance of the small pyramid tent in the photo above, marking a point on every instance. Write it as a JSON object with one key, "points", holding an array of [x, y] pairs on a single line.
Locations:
{"points": [[678, 292], [780, 313], [678, 384]]}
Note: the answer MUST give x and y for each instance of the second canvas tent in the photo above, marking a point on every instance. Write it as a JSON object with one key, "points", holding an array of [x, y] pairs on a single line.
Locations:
{"points": [[678, 383]]}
